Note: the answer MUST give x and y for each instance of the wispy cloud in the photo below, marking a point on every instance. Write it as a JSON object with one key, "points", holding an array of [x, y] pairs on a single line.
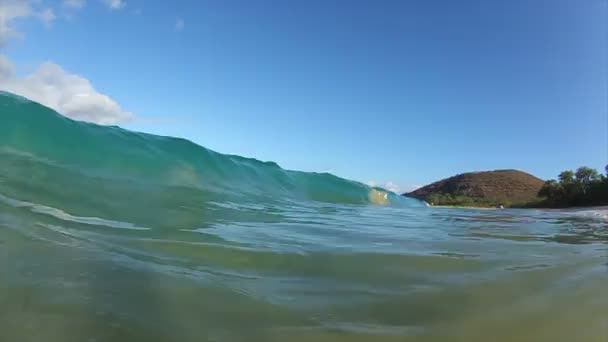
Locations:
{"points": [[412, 187], [15, 10], [115, 4], [47, 16], [180, 24], [393, 186], [74, 3]]}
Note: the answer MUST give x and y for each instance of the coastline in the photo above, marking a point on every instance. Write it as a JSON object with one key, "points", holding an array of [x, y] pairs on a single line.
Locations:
{"points": [[594, 207], [462, 207]]}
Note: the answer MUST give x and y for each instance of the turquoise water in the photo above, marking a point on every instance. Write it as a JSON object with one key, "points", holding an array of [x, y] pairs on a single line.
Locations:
{"points": [[111, 235]]}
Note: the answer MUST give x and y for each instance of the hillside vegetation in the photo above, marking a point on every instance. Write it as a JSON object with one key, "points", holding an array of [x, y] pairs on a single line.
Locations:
{"points": [[483, 189], [585, 187]]}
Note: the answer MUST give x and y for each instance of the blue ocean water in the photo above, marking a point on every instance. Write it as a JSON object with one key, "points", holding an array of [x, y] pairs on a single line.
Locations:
{"points": [[112, 235]]}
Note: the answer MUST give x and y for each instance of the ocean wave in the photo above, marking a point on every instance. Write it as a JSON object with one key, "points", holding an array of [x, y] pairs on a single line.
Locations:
{"points": [[35, 133]]}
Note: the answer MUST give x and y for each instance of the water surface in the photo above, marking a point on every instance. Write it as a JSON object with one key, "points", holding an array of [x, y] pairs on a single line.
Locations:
{"points": [[110, 235]]}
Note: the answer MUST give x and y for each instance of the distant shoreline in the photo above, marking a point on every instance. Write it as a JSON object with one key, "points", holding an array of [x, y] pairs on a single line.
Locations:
{"points": [[594, 207], [461, 207], [583, 188]]}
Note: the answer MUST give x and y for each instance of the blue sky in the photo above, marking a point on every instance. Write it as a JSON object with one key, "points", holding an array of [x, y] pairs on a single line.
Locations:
{"points": [[386, 91]]}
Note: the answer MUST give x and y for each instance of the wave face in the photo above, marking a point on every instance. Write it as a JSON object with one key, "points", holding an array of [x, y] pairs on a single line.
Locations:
{"points": [[110, 235], [117, 164]]}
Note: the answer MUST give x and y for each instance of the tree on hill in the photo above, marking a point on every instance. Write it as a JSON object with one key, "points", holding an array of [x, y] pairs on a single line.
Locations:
{"points": [[566, 177], [586, 186], [552, 190], [586, 177]]}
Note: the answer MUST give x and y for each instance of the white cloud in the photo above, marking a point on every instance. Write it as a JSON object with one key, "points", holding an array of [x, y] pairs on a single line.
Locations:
{"points": [[392, 186], [6, 68], [47, 16], [74, 3], [14, 10], [115, 4], [180, 24], [11, 10], [69, 94]]}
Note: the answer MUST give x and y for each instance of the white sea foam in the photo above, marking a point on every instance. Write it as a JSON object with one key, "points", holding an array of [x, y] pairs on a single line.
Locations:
{"points": [[600, 213], [62, 215]]}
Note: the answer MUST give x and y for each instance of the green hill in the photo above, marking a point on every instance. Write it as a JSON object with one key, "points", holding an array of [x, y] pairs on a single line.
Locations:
{"points": [[482, 189]]}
